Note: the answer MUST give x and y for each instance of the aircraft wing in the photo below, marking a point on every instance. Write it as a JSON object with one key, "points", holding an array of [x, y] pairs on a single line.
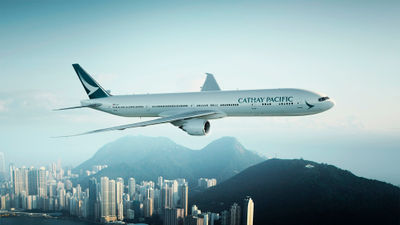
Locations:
{"points": [[167, 119]]}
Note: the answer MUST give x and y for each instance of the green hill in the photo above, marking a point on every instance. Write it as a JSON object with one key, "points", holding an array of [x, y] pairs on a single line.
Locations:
{"points": [[290, 192]]}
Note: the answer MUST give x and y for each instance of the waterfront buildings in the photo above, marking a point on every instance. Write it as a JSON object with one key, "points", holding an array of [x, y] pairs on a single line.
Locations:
{"points": [[107, 200]]}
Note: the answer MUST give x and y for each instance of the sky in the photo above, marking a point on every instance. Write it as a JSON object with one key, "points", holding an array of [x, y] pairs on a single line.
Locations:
{"points": [[349, 50]]}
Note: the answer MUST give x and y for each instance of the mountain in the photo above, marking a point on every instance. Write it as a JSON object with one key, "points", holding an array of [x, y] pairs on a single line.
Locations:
{"points": [[304, 192], [146, 158]]}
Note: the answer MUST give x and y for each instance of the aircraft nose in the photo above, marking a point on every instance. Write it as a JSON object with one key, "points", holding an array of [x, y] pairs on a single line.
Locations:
{"points": [[330, 104]]}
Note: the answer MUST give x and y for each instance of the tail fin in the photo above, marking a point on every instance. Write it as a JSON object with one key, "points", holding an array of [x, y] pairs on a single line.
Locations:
{"points": [[92, 88], [210, 84]]}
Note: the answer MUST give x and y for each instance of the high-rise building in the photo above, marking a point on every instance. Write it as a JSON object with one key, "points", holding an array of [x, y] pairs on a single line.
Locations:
{"points": [[42, 183], [112, 199], [126, 204], [20, 187], [173, 216], [53, 170], [148, 207], [184, 198], [92, 197], [104, 196], [160, 181], [11, 171], [205, 183], [175, 192], [68, 185], [61, 198], [51, 188], [213, 217], [107, 200], [33, 179], [172, 190], [137, 208], [131, 187], [235, 214], [194, 220], [205, 217], [248, 211], [20, 178], [195, 211], [119, 191], [167, 197]]}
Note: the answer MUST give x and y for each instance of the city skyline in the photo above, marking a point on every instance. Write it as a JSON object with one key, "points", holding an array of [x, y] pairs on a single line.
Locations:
{"points": [[104, 200], [65, 197]]}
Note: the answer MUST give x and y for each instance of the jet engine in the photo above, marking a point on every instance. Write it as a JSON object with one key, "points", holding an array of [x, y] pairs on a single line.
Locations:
{"points": [[197, 127]]}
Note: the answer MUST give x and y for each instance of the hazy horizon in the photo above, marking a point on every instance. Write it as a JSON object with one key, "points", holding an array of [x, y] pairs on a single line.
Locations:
{"points": [[347, 50]]}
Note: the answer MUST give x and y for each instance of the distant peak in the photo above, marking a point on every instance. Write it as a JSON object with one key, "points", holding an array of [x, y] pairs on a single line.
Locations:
{"points": [[225, 143], [142, 138], [227, 139]]}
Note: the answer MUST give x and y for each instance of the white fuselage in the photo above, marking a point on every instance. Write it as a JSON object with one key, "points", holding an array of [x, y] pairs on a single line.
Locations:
{"points": [[266, 102]]}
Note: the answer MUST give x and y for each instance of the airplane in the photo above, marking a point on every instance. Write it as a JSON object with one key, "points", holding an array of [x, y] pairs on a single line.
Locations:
{"points": [[191, 111]]}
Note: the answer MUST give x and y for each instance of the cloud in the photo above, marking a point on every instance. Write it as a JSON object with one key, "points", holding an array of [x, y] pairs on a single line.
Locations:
{"points": [[3, 107], [27, 102]]}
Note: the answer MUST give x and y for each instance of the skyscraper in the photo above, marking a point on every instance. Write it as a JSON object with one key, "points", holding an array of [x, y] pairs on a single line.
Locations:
{"points": [[61, 198], [248, 211], [119, 201], [173, 216], [11, 171], [104, 195], [167, 197], [112, 199], [33, 179], [20, 184], [184, 198], [42, 183], [235, 214], [148, 207], [20, 178], [52, 188], [131, 187], [92, 197]]}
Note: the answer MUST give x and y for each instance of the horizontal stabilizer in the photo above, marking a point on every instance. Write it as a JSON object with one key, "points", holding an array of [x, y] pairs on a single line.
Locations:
{"points": [[78, 107]]}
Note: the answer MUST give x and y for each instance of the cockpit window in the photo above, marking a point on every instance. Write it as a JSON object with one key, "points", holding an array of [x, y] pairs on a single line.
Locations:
{"points": [[323, 99]]}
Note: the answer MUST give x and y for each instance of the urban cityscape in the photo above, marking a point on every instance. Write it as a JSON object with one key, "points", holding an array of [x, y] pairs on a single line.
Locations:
{"points": [[53, 190]]}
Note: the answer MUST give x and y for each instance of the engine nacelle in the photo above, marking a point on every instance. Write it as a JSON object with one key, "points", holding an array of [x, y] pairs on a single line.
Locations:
{"points": [[196, 127]]}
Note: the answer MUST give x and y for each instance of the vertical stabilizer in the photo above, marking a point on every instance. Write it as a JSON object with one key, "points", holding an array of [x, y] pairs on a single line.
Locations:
{"points": [[92, 88], [210, 84]]}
